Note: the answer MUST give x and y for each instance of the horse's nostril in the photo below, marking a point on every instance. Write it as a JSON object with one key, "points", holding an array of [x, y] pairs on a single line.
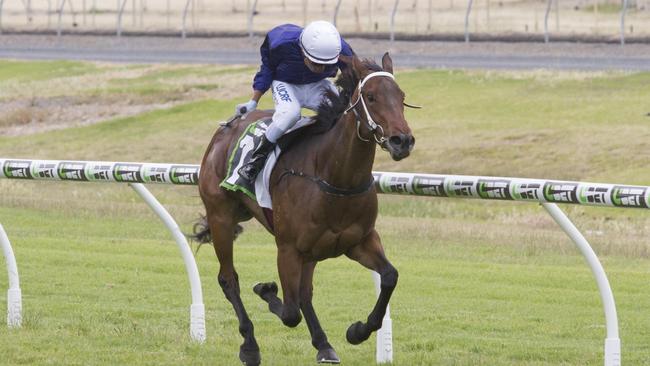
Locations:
{"points": [[395, 140]]}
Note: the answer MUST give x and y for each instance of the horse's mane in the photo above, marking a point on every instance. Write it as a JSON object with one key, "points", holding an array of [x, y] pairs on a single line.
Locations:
{"points": [[332, 107]]}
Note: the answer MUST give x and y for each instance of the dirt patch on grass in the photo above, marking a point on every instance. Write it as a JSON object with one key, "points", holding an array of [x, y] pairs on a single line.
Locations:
{"points": [[113, 91], [22, 117]]}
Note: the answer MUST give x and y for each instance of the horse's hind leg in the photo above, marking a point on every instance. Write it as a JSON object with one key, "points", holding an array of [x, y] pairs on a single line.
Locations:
{"points": [[326, 353], [223, 231], [289, 269], [370, 254]]}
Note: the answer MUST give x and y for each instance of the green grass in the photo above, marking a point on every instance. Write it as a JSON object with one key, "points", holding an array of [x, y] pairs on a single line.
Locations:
{"points": [[42, 70], [481, 283]]}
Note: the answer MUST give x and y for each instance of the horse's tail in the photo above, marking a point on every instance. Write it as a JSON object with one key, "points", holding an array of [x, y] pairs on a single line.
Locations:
{"points": [[202, 235], [201, 231]]}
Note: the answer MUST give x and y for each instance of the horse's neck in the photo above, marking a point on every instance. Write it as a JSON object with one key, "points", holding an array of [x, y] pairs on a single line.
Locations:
{"points": [[344, 160]]}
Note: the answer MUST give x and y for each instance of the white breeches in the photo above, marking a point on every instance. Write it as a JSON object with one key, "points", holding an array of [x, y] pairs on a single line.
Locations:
{"points": [[289, 99]]}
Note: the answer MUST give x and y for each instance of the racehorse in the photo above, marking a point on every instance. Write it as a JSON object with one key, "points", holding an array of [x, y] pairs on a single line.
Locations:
{"points": [[324, 201]]}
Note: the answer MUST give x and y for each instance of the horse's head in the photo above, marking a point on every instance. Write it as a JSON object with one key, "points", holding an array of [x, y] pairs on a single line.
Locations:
{"points": [[378, 104]]}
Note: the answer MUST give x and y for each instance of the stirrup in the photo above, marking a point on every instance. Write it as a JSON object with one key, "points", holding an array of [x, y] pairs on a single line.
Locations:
{"points": [[246, 174]]}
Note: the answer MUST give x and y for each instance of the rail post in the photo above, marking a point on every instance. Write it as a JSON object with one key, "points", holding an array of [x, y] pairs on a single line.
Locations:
{"points": [[392, 21], [467, 12], [60, 11], [183, 30], [623, 12], [612, 342], [120, 12], [548, 11], [384, 350], [1, 3], [14, 297], [336, 12], [197, 309], [251, 15]]}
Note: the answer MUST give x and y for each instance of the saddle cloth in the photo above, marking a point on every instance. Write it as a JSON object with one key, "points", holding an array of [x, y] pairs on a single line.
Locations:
{"points": [[241, 152]]}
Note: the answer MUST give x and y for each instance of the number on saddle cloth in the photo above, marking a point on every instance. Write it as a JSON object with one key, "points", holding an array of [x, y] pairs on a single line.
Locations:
{"points": [[240, 154]]}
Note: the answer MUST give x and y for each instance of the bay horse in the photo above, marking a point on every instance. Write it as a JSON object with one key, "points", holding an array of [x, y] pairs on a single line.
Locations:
{"points": [[324, 201]]}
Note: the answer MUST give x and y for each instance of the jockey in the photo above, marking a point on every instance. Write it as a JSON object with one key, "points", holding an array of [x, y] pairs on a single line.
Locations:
{"points": [[296, 63]]}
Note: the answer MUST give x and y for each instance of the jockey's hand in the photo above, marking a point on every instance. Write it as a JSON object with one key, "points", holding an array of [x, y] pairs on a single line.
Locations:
{"points": [[245, 107]]}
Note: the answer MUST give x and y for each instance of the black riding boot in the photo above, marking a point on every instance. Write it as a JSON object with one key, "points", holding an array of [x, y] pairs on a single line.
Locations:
{"points": [[252, 168]]}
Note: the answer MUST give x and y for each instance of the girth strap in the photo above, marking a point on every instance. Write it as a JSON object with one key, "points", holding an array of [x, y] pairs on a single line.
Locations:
{"points": [[330, 189]]}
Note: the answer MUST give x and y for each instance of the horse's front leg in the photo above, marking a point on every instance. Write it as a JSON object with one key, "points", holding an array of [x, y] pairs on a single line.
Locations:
{"points": [[222, 236], [370, 254], [326, 353], [289, 269]]}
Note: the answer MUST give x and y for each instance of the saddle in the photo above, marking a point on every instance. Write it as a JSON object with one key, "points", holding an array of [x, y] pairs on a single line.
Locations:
{"points": [[240, 152]]}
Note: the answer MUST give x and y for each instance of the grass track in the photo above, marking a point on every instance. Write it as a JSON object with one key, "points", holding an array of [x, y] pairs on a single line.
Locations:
{"points": [[481, 283]]}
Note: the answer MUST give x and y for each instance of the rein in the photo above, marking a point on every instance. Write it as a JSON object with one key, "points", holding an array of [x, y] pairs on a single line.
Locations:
{"points": [[330, 189]]}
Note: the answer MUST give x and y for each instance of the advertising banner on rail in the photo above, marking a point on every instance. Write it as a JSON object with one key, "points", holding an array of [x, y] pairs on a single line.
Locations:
{"points": [[417, 184]]}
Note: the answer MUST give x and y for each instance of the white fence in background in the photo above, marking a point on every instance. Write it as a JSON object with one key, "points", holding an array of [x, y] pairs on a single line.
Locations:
{"points": [[546, 192], [376, 18]]}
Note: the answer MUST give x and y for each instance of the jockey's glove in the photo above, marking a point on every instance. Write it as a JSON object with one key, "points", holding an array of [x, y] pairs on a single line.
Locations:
{"points": [[245, 107]]}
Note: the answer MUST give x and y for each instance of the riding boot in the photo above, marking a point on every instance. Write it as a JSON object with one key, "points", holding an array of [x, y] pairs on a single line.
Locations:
{"points": [[252, 168]]}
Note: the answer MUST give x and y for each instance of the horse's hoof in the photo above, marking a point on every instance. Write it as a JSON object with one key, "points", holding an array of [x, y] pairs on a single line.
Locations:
{"points": [[327, 356], [250, 357], [264, 289], [355, 335]]}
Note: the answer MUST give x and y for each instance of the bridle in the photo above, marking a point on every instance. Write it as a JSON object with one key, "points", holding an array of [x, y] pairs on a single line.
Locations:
{"points": [[374, 128]]}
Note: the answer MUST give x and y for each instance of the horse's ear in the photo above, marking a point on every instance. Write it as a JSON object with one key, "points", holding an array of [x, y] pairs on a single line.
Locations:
{"points": [[387, 63], [347, 60], [358, 68]]}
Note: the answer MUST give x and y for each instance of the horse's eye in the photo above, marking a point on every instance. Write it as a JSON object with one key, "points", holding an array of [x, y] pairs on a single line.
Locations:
{"points": [[371, 98]]}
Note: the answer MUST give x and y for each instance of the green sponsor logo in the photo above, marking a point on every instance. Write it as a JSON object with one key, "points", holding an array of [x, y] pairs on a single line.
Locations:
{"points": [[43, 170], [17, 169], [460, 188], [72, 171], [128, 173], [429, 186], [628, 196], [155, 174], [526, 191], [395, 184], [99, 172], [184, 174], [593, 195], [497, 189], [561, 192]]}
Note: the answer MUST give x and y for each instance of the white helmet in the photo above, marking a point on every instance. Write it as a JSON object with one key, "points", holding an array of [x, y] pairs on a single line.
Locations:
{"points": [[321, 42]]}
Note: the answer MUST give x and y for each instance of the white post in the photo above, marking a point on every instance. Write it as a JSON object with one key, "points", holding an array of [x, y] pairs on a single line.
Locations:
{"points": [[548, 11], [336, 11], [612, 342], [623, 11], [29, 11], [1, 2], [392, 21], [14, 297], [467, 12], [251, 15], [385, 334], [120, 11], [58, 29], [197, 309], [187, 6]]}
